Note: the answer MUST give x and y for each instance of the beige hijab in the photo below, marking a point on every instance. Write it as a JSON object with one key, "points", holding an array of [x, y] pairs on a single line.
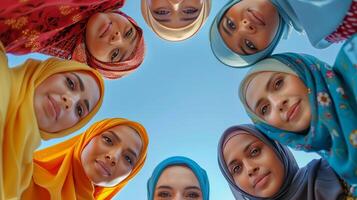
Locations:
{"points": [[175, 34]]}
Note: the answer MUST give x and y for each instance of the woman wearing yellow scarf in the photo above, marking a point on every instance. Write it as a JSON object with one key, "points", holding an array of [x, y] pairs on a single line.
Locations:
{"points": [[93, 165], [40, 100]]}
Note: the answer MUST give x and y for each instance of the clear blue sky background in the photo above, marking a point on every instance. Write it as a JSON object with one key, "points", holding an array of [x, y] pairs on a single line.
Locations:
{"points": [[185, 98]]}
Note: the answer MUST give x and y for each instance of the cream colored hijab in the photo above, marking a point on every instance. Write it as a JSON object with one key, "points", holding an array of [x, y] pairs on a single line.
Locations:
{"points": [[175, 34]]}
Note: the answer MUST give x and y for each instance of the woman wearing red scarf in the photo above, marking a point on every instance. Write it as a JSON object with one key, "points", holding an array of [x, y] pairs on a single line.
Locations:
{"points": [[93, 32]]}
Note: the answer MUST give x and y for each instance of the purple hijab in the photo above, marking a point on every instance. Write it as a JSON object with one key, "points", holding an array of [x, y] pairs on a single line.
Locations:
{"points": [[315, 181]]}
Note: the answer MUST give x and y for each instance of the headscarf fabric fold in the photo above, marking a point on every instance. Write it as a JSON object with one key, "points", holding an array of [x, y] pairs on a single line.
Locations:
{"points": [[332, 95], [199, 172], [59, 174], [20, 134], [301, 15], [316, 181], [57, 28], [175, 34]]}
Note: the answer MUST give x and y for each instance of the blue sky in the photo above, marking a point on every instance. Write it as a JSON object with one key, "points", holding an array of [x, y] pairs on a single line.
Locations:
{"points": [[185, 98]]}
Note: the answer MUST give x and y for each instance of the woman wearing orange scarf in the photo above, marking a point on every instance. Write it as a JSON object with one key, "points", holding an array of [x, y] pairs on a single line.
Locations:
{"points": [[94, 165], [92, 32]]}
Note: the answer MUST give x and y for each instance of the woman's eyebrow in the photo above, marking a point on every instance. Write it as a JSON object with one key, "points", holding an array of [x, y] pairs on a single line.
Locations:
{"points": [[115, 136], [192, 188], [81, 85], [164, 187], [188, 18]]}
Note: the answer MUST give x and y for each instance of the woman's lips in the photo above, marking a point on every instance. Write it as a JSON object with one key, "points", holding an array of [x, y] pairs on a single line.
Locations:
{"points": [[261, 180], [255, 17], [104, 170], [293, 111], [53, 109], [105, 30]]}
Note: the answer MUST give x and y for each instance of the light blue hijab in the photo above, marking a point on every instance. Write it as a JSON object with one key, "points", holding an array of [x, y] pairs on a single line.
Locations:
{"points": [[333, 102], [200, 173], [317, 18]]}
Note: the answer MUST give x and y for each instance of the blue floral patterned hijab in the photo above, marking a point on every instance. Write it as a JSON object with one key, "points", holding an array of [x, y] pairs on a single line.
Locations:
{"points": [[200, 173], [333, 102], [302, 15], [316, 181]]}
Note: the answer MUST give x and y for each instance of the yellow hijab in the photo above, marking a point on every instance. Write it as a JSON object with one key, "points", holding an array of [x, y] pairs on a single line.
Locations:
{"points": [[175, 34], [58, 172], [19, 133]]}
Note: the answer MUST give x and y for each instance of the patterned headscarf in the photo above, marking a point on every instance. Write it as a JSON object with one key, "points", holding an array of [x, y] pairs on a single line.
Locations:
{"points": [[57, 28], [333, 102]]}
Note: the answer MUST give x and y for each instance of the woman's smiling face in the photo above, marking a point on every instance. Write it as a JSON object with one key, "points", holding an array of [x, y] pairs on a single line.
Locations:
{"points": [[280, 99], [110, 156], [249, 26], [63, 99], [254, 166]]}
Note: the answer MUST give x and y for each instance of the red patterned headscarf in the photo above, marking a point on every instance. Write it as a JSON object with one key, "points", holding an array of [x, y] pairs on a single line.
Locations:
{"points": [[57, 28]]}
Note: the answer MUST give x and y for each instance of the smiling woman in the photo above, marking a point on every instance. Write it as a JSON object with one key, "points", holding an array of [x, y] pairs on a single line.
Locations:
{"points": [[175, 20], [302, 102], [259, 168], [96, 164], [92, 32], [39, 102]]}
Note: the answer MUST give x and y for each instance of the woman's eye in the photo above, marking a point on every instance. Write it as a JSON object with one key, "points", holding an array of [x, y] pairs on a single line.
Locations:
{"points": [[129, 33], [129, 160], [236, 169], [230, 24], [264, 110], [162, 12], [79, 110], [107, 140], [255, 152], [190, 11], [249, 44], [70, 83], [193, 195], [114, 55], [278, 84], [164, 194]]}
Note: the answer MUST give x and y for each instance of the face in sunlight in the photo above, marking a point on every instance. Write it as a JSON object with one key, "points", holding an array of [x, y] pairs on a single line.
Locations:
{"points": [[110, 156], [280, 99], [177, 182], [63, 99]]}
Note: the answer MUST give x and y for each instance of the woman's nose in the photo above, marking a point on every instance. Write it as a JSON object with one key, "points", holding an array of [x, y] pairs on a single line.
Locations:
{"points": [[67, 101], [116, 37], [248, 26]]}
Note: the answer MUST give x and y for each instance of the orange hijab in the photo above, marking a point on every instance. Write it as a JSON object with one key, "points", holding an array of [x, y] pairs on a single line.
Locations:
{"points": [[58, 172]]}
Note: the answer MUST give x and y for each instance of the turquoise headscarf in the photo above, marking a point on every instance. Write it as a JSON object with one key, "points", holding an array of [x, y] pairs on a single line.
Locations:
{"points": [[333, 102], [302, 15], [179, 160]]}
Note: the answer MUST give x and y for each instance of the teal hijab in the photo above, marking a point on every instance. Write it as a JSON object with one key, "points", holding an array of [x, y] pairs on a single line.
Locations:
{"points": [[302, 15], [200, 173], [333, 101]]}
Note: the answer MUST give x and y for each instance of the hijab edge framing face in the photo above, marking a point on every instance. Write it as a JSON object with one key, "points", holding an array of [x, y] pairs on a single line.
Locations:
{"points": [[199, 172], [288, 162], [175, 34], [76, 66], [228, 57]]}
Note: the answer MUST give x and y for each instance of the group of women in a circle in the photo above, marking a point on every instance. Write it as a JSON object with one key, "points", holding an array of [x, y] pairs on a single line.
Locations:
{"points": [[293, 99]]}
